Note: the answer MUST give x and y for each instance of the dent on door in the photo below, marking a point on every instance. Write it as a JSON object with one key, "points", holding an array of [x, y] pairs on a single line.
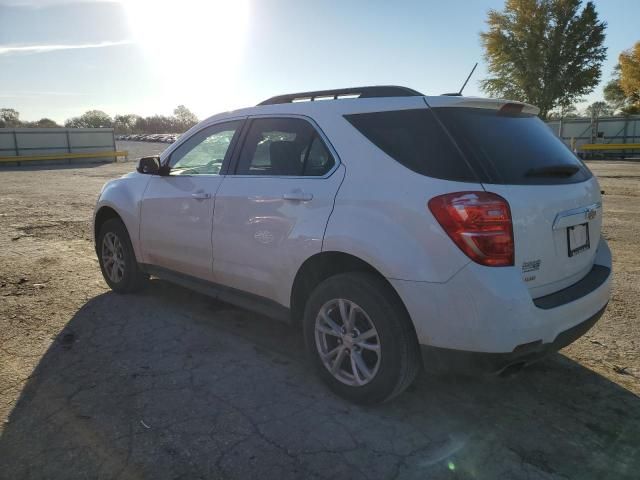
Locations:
{"points": [[260, 239], [176, 223]]}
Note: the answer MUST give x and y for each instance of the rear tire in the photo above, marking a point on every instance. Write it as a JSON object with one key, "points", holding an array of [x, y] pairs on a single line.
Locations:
{"points": [[360, 338], [117, 260]]}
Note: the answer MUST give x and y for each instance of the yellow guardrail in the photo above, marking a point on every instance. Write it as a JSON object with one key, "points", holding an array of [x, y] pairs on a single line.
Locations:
{"points": [[610, 146], [65, 156]]}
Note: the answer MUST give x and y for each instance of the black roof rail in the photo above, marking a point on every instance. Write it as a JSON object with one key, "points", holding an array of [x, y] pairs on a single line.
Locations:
{"points": [[360, 92]]}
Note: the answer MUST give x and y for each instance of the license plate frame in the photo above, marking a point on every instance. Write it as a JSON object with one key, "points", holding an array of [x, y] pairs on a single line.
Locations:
{"points": [[578, 239]]}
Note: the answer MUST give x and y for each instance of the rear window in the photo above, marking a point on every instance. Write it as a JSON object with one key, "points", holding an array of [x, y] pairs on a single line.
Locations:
{"points": [[415, 139], [511, 148]]}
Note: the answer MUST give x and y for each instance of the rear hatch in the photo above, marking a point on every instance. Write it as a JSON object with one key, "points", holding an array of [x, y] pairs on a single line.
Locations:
{"points": [[554, 199]]}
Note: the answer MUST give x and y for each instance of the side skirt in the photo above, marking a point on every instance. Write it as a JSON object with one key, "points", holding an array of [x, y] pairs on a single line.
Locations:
{"points": [[249, 301]]}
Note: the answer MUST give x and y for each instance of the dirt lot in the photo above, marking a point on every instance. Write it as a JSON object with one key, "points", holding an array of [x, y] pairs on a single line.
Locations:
{"points": [[171, 384]]}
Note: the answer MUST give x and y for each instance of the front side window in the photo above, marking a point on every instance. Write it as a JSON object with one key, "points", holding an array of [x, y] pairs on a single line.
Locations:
{"points": [[283, 147], [205, 151]]}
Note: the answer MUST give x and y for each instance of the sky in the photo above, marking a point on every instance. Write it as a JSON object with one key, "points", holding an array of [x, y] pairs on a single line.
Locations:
{"points": [[59, 58]]}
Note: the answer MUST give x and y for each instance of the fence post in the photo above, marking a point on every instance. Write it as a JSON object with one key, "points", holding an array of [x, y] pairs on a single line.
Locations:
{"points": [[15, 142], [113, 141], [560, 130]]}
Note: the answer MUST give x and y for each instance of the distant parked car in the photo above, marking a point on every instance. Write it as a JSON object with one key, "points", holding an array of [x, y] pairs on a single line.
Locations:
{"points": [[397, 228]]}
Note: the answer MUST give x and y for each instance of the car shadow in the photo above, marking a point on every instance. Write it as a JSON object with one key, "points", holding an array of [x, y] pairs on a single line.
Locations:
{"points": [[171, 384]]}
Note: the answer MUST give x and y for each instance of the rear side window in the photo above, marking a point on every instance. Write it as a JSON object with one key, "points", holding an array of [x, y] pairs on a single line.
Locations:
{"points": [[415, 139], [517, 149], [284, 147]]}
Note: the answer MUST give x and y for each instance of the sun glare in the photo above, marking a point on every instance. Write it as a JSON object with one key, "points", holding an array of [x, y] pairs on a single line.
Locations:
{"points": [[194, 47]]}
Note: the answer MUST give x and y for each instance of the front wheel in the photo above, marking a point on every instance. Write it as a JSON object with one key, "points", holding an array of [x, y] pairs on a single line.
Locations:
{"points": [[117, 260], [360, 338]]}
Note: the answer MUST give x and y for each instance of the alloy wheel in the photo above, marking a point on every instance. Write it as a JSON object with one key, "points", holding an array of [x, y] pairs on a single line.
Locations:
{"points": [[347, 342], [113, 257]]}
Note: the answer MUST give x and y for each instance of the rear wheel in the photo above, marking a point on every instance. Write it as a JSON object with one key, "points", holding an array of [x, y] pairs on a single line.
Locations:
{"points": [[360, 338], [117, 260]]}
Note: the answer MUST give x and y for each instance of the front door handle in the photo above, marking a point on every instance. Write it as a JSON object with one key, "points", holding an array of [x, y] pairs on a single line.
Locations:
{"points": [[298, 196], [200, 195]]}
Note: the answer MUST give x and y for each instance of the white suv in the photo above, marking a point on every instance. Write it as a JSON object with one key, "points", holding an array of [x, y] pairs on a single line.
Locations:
{"points": [[399, 229]]}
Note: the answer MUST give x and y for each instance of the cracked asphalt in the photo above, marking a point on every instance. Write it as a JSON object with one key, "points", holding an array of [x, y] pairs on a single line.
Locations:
{"points": [[171, 384]]}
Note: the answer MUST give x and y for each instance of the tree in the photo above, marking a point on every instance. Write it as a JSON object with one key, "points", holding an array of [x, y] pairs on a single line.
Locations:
{"points": [[563, 111], [185, 119], [599, 109], [630, 75], [125, 123], [625, 99], [90, 119], [545, 52], [43, 123], [9, 118], [613, 93]]}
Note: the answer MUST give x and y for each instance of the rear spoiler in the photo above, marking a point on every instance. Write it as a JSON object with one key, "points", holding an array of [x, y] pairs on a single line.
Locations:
{"points": [[474, 102]]}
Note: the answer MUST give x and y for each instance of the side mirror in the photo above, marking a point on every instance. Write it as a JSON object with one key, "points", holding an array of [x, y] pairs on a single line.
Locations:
{"points": [[149, 165]]}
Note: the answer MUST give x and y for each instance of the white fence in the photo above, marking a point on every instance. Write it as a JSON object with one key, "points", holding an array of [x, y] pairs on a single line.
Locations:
{"points": [[56, 142], [576, 132]]}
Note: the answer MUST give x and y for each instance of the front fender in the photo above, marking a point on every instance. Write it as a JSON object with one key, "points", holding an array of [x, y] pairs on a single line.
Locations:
{"points": [[124, 196]]}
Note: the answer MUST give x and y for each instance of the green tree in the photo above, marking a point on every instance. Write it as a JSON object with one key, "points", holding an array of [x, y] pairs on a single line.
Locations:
{"points": [[9, 118], [599, 109], [90, 119], [613, 93], [185, 119], [43, 123], [125, 123], [564, 111], [545, 52]]}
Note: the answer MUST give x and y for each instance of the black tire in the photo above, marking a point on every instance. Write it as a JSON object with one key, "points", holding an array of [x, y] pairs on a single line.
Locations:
{"points": [[399, 362], [132, 278]]}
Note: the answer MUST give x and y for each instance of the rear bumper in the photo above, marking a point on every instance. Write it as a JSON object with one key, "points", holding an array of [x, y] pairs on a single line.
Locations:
{"points": [[437, 359], [490, 310]]}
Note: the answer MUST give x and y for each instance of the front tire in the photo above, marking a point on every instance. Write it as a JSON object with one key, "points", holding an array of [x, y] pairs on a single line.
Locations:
{"points": [[360, 338], [117, 260]]}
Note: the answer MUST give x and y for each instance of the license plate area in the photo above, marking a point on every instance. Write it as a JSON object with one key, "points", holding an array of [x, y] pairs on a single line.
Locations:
{"points": [[578, 238]]}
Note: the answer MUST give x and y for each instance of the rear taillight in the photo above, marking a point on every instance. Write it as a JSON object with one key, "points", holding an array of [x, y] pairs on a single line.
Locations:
{"points": [[479, 223]]}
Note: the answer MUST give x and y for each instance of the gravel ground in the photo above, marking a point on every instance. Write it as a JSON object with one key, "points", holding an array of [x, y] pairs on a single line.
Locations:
{"points": [[171, 384]]}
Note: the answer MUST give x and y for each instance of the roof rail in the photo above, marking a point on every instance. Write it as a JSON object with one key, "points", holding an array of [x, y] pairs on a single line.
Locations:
{"points": [[359, 92]]}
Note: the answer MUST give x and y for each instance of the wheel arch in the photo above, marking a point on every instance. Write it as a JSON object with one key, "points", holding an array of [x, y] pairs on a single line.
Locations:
{"points": [[103, 214], [323, 265]]}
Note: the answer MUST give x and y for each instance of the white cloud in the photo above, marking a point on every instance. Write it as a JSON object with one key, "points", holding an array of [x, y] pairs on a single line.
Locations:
{"points": [[27, 49]]}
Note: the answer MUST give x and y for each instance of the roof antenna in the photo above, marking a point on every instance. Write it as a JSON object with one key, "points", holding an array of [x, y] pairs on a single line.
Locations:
{"points": [[459, 94]]}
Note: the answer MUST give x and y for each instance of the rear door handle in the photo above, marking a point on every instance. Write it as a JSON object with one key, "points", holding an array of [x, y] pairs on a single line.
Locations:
{"points": [[200, 195], [298, 196]]}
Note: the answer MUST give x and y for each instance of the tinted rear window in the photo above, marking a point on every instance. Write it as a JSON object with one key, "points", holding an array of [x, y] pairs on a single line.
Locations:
{"points": [[511, 149], [415, 139]]}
